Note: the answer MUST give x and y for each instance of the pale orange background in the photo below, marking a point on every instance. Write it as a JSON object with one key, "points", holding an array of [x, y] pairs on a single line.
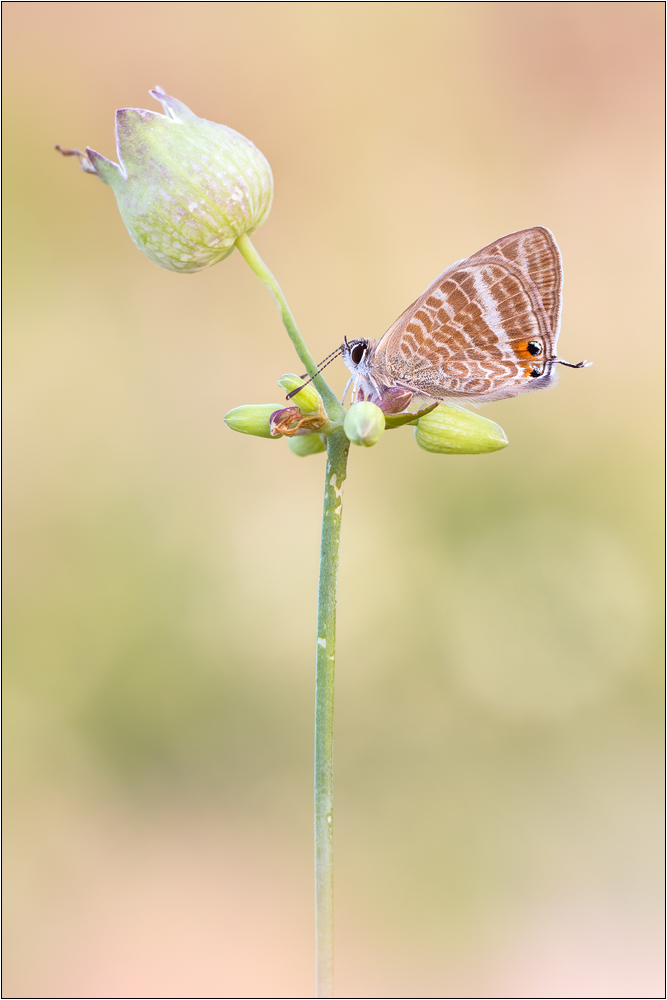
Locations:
{"points": [[498, 697]]}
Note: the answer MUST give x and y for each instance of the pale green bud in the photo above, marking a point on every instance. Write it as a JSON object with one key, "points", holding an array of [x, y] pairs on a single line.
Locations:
{"points": [[308, 400], [307, 444], [187, 188], [253, 419], [364, 423], [451, 430]]}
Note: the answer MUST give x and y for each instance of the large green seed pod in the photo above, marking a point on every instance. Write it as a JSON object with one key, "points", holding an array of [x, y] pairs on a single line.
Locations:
{"points": [[187, 188]]}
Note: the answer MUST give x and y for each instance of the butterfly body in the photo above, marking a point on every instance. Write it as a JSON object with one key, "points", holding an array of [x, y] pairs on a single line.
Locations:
{"points": [[487, 328]]}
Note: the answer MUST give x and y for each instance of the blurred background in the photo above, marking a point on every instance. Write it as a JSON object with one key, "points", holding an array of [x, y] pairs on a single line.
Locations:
{"points": [[498, 714]]}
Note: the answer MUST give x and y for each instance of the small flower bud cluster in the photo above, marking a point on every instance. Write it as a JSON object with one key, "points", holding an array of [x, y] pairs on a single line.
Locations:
{"points": [[443, 429], [307, 416], [299, 424]]}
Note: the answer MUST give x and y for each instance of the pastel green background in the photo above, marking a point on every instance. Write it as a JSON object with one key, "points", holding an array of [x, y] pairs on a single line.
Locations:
{"points": [[498, 713]]}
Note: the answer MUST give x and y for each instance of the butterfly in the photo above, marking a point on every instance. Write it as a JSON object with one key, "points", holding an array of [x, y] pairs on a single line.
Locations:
{"points": [[486, 329]]}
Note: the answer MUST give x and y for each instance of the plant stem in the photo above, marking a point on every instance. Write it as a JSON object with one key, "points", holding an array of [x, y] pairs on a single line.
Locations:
{"points": [[338, 448], [334, 409], [337, 451]]}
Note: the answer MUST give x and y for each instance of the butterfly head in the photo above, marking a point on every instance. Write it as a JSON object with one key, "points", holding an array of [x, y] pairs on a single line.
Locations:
{"points": [[358, 356]]}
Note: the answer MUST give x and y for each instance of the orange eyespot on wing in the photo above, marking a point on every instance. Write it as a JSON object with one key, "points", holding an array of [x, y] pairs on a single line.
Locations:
{"points": [[531, 356]]}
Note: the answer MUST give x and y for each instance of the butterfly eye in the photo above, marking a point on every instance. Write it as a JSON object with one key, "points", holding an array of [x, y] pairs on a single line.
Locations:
{"points": [[534, 348], [535, 371], [357, 353]]}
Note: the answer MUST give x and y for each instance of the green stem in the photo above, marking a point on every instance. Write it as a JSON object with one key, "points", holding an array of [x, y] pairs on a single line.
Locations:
{"points": [[337, 451], [333, 407], [338, 448]]}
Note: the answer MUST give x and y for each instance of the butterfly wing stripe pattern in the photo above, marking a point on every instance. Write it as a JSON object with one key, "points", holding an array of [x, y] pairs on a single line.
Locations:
{"points": [[474, 332], [536, 253]]}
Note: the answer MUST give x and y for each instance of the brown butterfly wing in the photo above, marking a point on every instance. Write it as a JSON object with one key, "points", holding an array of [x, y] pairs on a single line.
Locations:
{"points": [[468, 335], [536, 253]]}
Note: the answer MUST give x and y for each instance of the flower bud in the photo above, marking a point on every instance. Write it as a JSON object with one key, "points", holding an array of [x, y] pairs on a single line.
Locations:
{"points": [[290, 421], [364, 423], [451, 430], [252, 419], [186, 188], [307, 444], [308, 400], [394, 400]]}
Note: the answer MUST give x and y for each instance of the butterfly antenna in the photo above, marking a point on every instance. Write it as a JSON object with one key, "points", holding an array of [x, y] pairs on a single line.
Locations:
{"points": [[320, 368], [582, 364]]}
